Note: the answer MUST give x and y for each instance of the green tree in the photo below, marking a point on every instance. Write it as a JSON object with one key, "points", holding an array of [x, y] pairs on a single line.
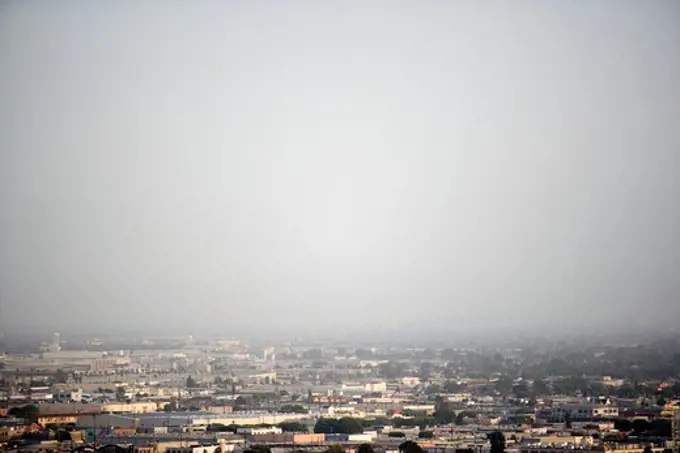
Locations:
{"points": [[444, 416], [676, 385], [293, 427], [425, 370], [640, 425], [60, 376], [62, 436], [504, 385], [426, 434], [241, 403], [217, 428], [428, 354], [461, 419], [345, 425], [259, 449], [363, 354], [452, 387], [497, 440], [449, 354], [293, 409], [410, 447], [365, 448], [191, 383], [433, 389], [171, 406], [233, 427], [521, 390], [367, 422], [623, 424], [540, 387], [312, 354], [35, 435], [28, 411], [335, 449], [661, 427], [396, 434], [120, 393], [350, 425], [421, 422], [532, 400], [391, 370], [325, 426]]}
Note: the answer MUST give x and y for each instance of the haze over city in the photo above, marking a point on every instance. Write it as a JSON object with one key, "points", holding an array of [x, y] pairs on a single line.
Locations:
{"points": [[315, 167], [339, 227]]}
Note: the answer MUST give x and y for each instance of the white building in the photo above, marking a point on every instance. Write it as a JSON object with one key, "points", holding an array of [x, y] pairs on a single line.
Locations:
{"points": [[54, 346], [344, 411], [585, 411], [375, 387], [424, 408], [350, 388], [366, 436], [255, 431], [268, 353], [200, 449], [458, 397], [410, 381]]}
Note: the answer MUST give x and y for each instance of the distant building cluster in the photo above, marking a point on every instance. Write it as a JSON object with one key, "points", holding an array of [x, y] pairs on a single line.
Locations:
{"points": [[181, 395]]}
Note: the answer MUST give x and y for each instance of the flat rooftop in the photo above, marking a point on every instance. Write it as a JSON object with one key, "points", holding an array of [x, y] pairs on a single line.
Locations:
{"points": [[196, 414]]}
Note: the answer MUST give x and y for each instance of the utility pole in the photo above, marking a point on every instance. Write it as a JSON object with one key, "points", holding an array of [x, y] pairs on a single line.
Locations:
{"points": [[675, 429], [94, 430]]}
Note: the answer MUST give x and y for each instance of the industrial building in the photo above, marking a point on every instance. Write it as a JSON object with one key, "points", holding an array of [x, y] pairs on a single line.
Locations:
{"points": [[182, 420]]}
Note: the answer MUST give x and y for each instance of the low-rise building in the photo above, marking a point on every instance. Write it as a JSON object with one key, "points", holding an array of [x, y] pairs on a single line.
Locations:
{"points": [[57, 419], [584, 411], [259, 430], [419, 408], [144, 449], [289, 438], [103, 365], [90, 408], [410, 381], [375, 387], [191, 421], [194, 449], [67, 396], [11, 432], [558, 441], [617, 448]]}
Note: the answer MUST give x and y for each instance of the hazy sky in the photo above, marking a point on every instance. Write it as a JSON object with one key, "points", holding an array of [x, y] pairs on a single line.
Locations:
{"points": [[199, 166]]}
